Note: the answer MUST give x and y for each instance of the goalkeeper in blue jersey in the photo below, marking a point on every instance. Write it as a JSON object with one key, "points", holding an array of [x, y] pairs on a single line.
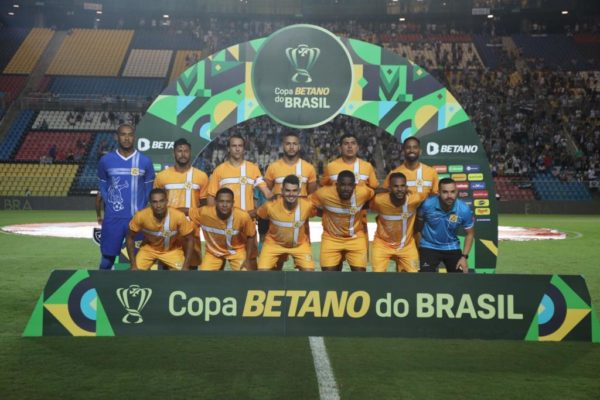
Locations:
{"points": [[438, 220], [126, 178]]}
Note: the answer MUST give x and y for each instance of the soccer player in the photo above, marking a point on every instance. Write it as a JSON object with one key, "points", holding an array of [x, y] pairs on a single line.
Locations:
{"points": [[394, 236], [421, 178], [229, 234], [344, 235], [438, 220], [187, 188], [239, 175], [291, 164], [126, 178], [167, 235], [288, 216], [349, 160]]}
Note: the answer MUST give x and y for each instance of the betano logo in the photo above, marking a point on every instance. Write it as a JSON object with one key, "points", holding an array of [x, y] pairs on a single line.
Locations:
{"points": [[134, 299], [434, 148], [145, 144]]}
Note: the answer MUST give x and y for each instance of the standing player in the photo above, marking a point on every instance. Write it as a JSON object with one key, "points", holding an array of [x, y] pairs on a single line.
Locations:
{"points": [[363, 170], [167, 235], [395, 222], [126, 178], [229, 234], [186, 186], [288, 216], [438, 221], [421, 178], [239, 175], [343, 230], [291, 164]]}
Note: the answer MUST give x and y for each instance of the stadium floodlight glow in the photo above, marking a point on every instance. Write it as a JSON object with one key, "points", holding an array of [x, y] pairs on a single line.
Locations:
{"points": [[401, 19], [490, 16], [11, 13], [16, 6], [97, 19], [165, 15], [564, 12], [99, 12]]}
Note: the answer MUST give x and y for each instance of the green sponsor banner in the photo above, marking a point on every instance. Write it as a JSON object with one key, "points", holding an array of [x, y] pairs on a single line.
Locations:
{"points": [[125, 303]]}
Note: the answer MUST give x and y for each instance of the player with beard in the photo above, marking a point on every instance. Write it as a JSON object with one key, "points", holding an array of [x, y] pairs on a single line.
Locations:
{"points": [[229, 234], [344, 235], [394, 236], [167, 235], [125, 177], [421, 178], [186, 186], [291, 164], [438, 220], [288, 216]]}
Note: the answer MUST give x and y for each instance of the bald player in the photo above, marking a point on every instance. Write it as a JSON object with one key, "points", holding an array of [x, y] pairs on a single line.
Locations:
{"points": [[394, 241], [186, 186], [421, 178], [344, 235], [229, 234], [288, 216], [167, 235]]}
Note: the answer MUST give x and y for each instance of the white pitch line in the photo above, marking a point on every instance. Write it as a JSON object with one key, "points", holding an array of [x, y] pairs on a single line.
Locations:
{"points": [[328, 389]]}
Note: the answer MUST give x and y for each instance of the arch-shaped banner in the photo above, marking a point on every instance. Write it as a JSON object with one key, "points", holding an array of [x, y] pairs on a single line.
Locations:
{"points": [[303, 76]]}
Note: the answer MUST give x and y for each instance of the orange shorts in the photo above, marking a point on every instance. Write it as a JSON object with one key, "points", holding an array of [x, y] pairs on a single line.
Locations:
{"points": [[147, 255], [406, 258], [334, 250], [271, 253], [210, 262]]}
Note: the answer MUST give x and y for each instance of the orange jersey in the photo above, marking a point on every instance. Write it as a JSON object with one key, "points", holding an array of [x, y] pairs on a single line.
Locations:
{"points": [[424, 179], [277, 171], [223, 237], [161, 235], [363, 171], [341, 218], [395, 224], [184, 189], [241, 180], [287, 228]]}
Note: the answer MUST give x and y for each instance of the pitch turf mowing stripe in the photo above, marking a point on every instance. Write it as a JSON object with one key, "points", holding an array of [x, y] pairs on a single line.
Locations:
{"points": [[328, 389]]}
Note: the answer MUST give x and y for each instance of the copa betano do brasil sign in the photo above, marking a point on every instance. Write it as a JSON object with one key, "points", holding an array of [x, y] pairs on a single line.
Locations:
{"points": [[126, 303]]}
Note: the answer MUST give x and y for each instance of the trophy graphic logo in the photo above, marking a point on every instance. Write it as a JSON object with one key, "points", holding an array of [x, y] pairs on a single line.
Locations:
{"points": [[302, 58], [133, 299]]}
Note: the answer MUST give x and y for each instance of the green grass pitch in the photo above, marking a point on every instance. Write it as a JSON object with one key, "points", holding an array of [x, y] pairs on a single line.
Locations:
{"points": [[282, 368]]}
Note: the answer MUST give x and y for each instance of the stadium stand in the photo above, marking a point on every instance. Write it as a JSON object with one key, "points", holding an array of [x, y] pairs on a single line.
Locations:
{"points": [[183, 60], [29, 51], [148, 63], [91, 52], [87, 179], [152, 39], [514, 189], [11, 39], [555, 51], [81, 121], [69, 86], [36, 180], [12, 85], [15, 133], [68, 146], [549, 187]]}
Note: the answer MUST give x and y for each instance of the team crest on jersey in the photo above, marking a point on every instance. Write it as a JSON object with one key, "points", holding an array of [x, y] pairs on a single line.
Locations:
{"points": [[297, 224], [243, 180], [405, 216], [187, 185], [229, 232], [419, 182], [354, 210], [453, 218], [135, 171]]}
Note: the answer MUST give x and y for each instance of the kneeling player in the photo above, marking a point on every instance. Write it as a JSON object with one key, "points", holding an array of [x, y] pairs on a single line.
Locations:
{"points": [[229, 233], [395, 222], [343, 230], [167, 235], [288, 218]]}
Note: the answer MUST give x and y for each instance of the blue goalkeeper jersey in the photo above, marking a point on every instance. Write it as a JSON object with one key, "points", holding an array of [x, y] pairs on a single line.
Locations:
{"points": [[125, 183], [440, 227]]}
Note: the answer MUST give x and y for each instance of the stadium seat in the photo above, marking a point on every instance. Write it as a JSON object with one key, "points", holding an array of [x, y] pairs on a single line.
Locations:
{"points": [[29, 52]]}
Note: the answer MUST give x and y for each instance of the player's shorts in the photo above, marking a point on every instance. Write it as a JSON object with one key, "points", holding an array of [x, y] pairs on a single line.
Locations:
{"points": [[334, 250], [211, 262], [406, 258], [147, 255], [430, 259], [114, 231], [272, 253]]}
